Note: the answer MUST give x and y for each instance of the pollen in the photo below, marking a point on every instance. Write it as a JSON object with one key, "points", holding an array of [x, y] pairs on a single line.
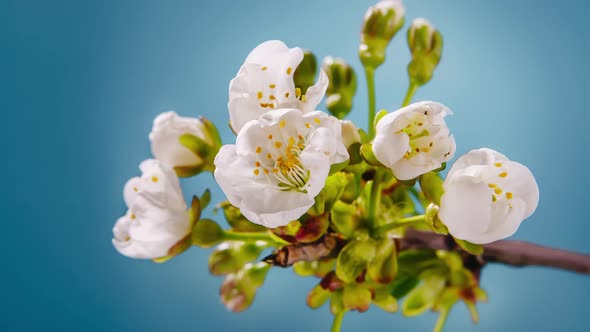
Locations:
{"points": [[307, 125], [498, 164], [264, 68], [282, 124], [272, 97], [286, 95], [135, 189], [498, 191], [269, 156], [289, 70], [257, 164], [492, 185], [303, 98], [278, 144], [509, 195], [256, 171], [272, 86], [132, 216], [259, 95], [419, 124], [316, 120], [291, 141], [271, 105], [300, 136], [269, 136], [297, 92], [265, 171], [503, 174], [155, 179], [258, 149]]}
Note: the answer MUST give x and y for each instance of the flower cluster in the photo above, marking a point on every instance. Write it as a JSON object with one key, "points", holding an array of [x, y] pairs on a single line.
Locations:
{"points": [[297, 176]]}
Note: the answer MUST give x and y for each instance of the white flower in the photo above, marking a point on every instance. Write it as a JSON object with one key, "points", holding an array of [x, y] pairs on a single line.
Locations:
{"points": [[414, 140], [487, 196], [265, 82], [350, 133], [279, 163], [157, 217], [166, 147]]}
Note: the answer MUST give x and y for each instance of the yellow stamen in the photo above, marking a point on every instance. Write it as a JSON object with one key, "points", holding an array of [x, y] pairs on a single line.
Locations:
{"points": [[260, 95], [256, 172], [258, 149], [498, 164], [272, 86], [264, 68], [289, 70], [503, 174], [154, 178], [508, 195], [278, 144], [498, 191]]}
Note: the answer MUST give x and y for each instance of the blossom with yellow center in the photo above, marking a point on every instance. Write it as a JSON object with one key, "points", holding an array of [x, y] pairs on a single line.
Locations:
{"points": [[414, 140], [157, 216], [265, 83], [279, 163]]}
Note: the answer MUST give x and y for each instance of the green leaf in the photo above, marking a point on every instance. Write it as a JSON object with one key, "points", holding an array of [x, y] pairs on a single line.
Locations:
{"points": [[403, 284], [353, 259], [472, 248], [194, 212]]}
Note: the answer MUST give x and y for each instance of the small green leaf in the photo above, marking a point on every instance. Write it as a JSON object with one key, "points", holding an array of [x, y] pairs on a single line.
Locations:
{"points": [[194, 212], [472, 248], [355, 297], [403, 284], [207, 233]]}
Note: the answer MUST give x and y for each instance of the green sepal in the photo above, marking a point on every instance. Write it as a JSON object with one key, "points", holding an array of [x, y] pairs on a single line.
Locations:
{"points": [[205, 198], [304, 75], [472, 248], [432, 187], [194, 213], [355, 297], [189, 171], [237, 221], [343, 219], [384, 300], [369, 156], [383, 268], [379, 116], [230, 257], [197, 145], [334, 168], [353, 259], [177, 249], [431, 218], [354, 152], [317, 297], [206, 233]]}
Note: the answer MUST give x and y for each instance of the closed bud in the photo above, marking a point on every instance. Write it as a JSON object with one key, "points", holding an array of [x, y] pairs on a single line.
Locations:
{"points": [[382, 21], [383, 268], [317, 297], [384, 300], [432, 186], [344, 218], [304, 76], [353, 259], [341, 88], [425, 43]]}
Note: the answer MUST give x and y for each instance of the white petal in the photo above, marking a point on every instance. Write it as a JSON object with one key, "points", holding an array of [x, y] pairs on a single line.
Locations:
{"points": [[466, 208], [350, 133], [132, 187], [406, 169], [390, 148], [315, 93]]}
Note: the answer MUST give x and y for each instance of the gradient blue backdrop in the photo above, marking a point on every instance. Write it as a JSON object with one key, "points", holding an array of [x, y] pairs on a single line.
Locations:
{"points": [[81, 82]]}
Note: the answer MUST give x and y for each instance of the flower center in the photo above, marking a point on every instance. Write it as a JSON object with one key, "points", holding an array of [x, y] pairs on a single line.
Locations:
{"points": [[280, 162], [419, 136], [496, 191]]}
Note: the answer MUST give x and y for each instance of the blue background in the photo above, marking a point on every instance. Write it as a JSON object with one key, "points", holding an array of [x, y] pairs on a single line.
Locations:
{"points": [[81, 82]]}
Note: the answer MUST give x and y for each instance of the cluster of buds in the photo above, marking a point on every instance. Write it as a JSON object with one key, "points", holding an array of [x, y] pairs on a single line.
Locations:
{"points": [[425, 43]]}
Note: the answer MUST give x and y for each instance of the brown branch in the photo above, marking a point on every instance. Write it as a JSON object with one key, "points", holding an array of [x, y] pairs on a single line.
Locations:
{"points": [[513, 253]]}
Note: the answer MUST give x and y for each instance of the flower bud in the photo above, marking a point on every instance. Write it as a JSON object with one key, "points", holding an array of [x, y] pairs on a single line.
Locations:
{"points": [[317, 297], [188, 145], [384, 300], [341, 88], [424, 296], [382, 21], [432, 186], [344, 219], [304, 76], [425, 43]]}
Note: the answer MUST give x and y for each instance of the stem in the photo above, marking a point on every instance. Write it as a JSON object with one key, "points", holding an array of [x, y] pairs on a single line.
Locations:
{"points": [[375, 199], [442, 319], [410, 93], [337, 323], [399, 223], [370, 75], [250, 236]]}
